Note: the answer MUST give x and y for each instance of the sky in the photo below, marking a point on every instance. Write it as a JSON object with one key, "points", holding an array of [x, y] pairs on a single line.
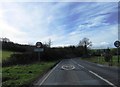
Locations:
{"points": [[65, 23]]}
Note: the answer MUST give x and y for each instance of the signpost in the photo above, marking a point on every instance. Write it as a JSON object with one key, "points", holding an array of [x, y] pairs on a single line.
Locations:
{"points": [[39, 45], [117, 44], [39, 48]]}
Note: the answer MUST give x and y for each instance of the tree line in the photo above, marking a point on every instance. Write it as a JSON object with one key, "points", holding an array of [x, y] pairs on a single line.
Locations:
{"points": [[27, 55]]}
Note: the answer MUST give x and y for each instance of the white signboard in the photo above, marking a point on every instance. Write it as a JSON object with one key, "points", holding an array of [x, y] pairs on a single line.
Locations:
{"points": [[38, 49]]}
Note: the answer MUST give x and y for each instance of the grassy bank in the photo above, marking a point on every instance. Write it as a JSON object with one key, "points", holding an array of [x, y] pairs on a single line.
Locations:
{"points": [[101, 60], [5, 54], [15, 76]]}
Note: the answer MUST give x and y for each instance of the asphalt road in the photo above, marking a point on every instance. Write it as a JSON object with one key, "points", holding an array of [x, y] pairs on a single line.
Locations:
{"points": [[78, 73]]}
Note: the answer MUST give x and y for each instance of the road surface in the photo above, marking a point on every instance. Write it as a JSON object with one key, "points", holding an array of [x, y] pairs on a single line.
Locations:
{"points": [[78, 73]]}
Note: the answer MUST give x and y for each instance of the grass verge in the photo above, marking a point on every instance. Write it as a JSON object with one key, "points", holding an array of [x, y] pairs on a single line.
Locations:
{"points": [[23, 75], [5, 54], [100, 60]]}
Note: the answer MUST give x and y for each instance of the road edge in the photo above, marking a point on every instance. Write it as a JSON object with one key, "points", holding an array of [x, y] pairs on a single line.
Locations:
{"points": [[44, 74]]}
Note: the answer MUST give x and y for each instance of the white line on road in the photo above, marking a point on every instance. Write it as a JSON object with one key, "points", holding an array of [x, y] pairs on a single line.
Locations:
{"points": [[78, 64], [48, 74], [100, 65], [96, 75], [68, 67], [103, 79]]}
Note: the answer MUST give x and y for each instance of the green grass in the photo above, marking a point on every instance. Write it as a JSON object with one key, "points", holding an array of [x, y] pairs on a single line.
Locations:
{"points": [[15, 76], [101, 60], [5, 54]]}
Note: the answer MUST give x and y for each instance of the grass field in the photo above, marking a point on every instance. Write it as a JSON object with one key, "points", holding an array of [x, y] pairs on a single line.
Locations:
{"points": [[101, 60], [5, 54], [17, 75], [14, 76]]}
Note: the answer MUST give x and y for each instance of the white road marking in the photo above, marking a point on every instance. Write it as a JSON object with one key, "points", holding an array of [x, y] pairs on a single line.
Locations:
{"points": [[78, 64], [82, 67], [68, 67], [96, 75], [103, 79], [100, 65], [48, 74]]}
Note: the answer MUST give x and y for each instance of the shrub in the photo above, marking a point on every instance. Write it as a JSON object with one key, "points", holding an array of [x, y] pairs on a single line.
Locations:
{"points": [[24, 58], [107, 57]]}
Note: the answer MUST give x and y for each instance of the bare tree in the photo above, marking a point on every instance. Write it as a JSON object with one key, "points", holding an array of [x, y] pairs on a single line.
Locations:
{"points": [[49, 43], [86, 44]]}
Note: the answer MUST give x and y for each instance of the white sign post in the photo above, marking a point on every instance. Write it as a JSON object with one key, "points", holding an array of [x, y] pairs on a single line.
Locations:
{"points": [[39, 48]]}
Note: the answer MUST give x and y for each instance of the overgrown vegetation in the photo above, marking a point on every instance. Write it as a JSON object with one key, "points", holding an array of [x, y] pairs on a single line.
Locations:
{"points": [[6, 54], [49, 54], [101, 60], [23, 75], [27, 54]]}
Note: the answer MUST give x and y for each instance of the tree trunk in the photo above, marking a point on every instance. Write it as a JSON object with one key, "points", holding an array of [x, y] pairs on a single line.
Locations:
{"points": [[86, 50]]}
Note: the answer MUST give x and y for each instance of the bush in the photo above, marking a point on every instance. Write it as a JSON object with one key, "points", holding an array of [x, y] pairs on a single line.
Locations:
{"points": [[24, 58], [107, 57]]}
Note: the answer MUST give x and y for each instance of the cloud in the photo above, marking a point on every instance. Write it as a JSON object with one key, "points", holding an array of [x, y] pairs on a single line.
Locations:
{"points": [[64, 22], [11, 32], [59, 0]]}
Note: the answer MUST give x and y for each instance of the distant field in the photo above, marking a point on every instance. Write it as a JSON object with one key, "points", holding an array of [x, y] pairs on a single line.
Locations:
{"points": [[14, 76], [101, 60], [5, 54]]}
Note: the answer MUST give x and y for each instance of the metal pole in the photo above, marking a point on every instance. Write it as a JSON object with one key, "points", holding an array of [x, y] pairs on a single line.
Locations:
{"points": [[39, 56], [111, 60], [98, 59], [118, 53]]}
